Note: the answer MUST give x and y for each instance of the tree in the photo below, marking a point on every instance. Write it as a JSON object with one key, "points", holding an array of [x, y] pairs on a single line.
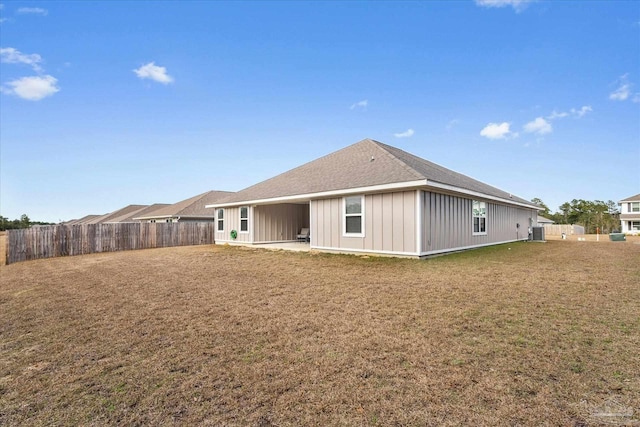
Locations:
{"points": [[593, 215], [565, 208], [25, 222], [546, 211], [4, 223]]}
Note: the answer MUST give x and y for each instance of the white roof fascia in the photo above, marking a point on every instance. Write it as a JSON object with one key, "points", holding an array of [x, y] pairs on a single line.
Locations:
{"points": [[372, 189], [174, 216], [323, 194], [153, 217], [472, 193]]}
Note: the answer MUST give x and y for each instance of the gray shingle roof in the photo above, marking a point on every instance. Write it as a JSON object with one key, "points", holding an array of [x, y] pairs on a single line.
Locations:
{"points": [[633, 216], [635, 198], [363, 164], [110, 217], [82, 220], [191, 207], [129, 216]]}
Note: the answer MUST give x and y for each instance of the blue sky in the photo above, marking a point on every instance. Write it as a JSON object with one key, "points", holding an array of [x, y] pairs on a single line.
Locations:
{"points": [[105, 104]]}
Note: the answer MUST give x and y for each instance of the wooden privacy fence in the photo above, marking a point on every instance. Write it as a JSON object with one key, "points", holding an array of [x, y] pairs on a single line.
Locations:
{"points": [[558, 229], [66, 240]]}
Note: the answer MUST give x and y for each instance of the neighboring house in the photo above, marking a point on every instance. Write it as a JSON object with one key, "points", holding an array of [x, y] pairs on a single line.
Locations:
{"points": [[125, 214], [82, 220], [192, 209], [630, 215], [374, 198], [111, 217], [129, 216], [542, 221]]}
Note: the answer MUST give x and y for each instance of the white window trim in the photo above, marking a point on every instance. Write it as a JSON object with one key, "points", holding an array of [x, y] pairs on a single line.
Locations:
{"points": [[480, 233], [243, 219], [344, 216], [217, 220]]}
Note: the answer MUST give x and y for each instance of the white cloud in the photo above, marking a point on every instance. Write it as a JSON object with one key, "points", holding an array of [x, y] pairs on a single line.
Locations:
{"points": [[517, 5], [577, 113], [539, 126], [154, 72], [10, 55], [624, 89], [32, 88], [557, 115], [452, 123], [360, 104], [582, 111], [406, 134], [32, 11], [497, 131]]}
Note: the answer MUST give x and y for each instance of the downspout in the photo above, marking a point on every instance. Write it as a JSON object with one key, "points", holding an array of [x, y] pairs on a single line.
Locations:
{"points": [[419, 222]]}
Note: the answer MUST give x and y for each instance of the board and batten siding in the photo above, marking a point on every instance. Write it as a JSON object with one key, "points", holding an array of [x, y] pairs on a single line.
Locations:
{"points": [[232, 222], [267, 223], [448, 223], [389, 224], [279, 223]]}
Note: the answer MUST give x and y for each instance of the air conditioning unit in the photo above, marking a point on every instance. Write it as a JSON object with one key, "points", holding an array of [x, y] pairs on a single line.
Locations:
{"points": [[537, 234]]}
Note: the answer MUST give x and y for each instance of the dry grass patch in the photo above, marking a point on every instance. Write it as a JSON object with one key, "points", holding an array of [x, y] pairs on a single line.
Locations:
{"points": [[3, 247], [538, 334]]}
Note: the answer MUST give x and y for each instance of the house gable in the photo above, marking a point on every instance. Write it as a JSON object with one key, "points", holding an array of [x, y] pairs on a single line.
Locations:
{"points": [[366, 166]]}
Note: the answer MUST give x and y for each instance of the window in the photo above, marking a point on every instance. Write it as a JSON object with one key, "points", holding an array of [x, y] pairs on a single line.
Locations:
{"points": [[244, 219], [634, 225], [220, 219], [479, 217], [634, 207], [354, 216]]}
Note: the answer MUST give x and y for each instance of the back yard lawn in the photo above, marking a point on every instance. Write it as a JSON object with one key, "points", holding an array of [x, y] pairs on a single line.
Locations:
{"points": [[519, 334]]}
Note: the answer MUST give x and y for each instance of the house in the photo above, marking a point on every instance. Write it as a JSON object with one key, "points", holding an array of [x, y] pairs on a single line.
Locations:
{"points": [[542, 221], [121, 215], [373, 198], [192, 209], [630, 215], [130, 216], [113, 216], [82, 220]]}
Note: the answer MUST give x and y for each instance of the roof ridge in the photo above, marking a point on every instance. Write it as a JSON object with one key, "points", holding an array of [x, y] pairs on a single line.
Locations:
{"points": [[384, 146]]}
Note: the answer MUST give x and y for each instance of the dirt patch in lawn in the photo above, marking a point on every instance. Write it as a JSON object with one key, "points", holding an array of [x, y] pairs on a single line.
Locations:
{"points": [[519, 334]]}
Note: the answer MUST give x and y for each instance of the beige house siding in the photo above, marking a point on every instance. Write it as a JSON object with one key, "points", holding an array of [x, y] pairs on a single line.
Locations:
{"points": [[232, 222], [279, 223], [448, 223], [389, 224], [267, 223]]}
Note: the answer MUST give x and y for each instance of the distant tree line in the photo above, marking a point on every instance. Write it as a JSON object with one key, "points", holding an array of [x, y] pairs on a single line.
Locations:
{"points": [[592, 215], [23, 222]]}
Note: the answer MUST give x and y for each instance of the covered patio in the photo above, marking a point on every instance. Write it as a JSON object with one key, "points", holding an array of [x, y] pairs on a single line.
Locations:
{"points": [[285, 246]]}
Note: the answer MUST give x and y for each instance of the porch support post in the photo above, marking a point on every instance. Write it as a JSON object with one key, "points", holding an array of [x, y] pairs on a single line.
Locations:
{"points": [[419, 221]]}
